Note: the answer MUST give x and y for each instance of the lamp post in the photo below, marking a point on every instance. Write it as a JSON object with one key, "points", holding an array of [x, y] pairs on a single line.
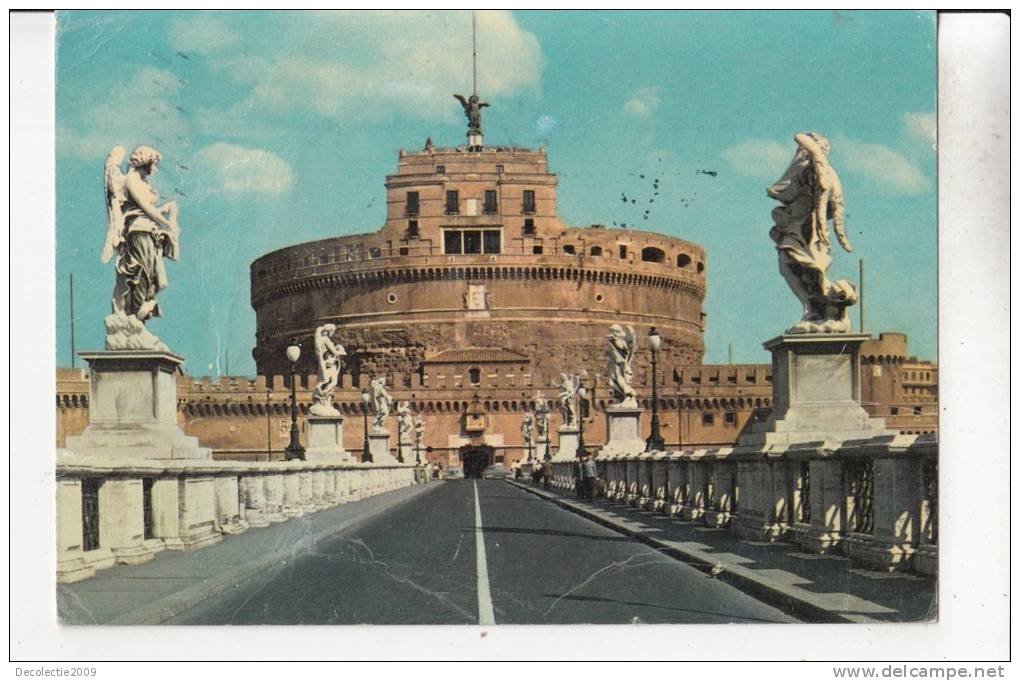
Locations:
{"points": [[269, 425], [366, 397], [581, 393], [680, 421], [294, 449], [654, 441]]}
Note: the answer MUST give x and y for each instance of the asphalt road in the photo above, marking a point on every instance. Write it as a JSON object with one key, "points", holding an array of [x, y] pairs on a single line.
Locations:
{"points": [[419, 564]]}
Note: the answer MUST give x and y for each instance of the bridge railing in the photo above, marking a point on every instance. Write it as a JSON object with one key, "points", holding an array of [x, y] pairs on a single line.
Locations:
{"points": [[114, 511], [872, 500]]}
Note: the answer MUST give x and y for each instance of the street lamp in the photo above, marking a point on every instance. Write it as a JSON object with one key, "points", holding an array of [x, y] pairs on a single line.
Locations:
{"points": [[581, 393], [366, 397], [654, 442], [294, 449]]}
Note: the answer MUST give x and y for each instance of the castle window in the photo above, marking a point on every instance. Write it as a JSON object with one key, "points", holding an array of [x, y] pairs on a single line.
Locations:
{"points": [[569, 249], [404, 250], [917, 411], [441, 170], [894, 411], [701, 267], [623, 251], [730, 418], [537, 250], [596, 250], [452, 202], [472, 242], [375, 252], [475, 374], [529, 227], [499, 168], [492, 241], [452, 242], [413, 205], [412, 229], [529, 201], [708, 419], [652, 254], [490, 201], [683, 260]]}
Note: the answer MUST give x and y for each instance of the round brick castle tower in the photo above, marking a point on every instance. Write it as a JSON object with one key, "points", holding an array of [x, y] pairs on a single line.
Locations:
{"points": [[474, 272]]}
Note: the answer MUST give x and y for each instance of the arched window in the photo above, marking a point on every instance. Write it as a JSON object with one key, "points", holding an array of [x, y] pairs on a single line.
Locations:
{"points": [[596, 250], [476, 375], [569, 249], [683, 260], [652, 254], [701, 267]]}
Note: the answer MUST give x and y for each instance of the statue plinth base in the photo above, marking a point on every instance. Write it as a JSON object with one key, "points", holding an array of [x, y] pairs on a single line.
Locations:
{"points": [[568, 443], [133, 408], [542, 448], [623, 432], [406, 452], [379, 447], [816, 392], [474, 140], [325, 439]]}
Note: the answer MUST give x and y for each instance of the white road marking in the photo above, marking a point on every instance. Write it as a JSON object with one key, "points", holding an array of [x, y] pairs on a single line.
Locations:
{"points": [[485, 613]]}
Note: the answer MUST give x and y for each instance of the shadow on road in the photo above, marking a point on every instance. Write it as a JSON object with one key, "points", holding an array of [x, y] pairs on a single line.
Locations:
{"points": [[597, 599], [550, 533]]}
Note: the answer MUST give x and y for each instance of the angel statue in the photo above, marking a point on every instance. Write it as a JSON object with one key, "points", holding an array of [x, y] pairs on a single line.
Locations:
{"points": [[528, 432], [811, 194], [569, 387], [542, 418], [419, 433], [141, 232], [473, 110], [620, 372], [381, 403], [405, 421], [329, 355]]}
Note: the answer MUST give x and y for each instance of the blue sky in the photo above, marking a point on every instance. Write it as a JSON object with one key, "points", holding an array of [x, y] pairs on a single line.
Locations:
{"points": [[278, 128]]}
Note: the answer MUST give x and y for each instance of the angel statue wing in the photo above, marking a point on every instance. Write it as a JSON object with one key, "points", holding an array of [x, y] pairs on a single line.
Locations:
{"points": [[113, 177], [463, 102]]}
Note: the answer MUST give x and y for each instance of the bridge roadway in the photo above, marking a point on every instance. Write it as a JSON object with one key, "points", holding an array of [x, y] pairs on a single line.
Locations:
{"points": [[480, 551]]}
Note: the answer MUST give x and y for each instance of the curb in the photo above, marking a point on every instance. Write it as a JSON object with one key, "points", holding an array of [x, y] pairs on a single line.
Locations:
{"points": [[170, 606], [737, 576]]}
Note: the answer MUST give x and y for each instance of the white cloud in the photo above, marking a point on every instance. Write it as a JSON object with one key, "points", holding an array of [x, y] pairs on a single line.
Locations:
{"points": [[921, 126], [643, 102], [760, 158], [234, 171], [202, 34], [375, 65], [886, 170]]}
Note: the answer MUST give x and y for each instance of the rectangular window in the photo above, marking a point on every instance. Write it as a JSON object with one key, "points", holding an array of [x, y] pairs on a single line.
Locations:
{"points": [[499, 168], [731, 418], [412, 229], [623, 251], [452, 202], [708, 419], [490, 201], [413, 205], [537, 250], [894, 411], [492, 241], [472, 242], [529, 200], [529, 227], [441, 170], [452, 242]]}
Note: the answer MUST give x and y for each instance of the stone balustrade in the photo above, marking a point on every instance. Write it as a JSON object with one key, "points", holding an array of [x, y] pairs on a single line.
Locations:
{"points": [[873, 500], [116, 511]]}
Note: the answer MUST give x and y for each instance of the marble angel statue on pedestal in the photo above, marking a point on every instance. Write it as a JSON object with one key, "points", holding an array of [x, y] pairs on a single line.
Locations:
{"points": [[569, 387], [382, 403], [620, 372], [811, 194], [141, 232], [329, 354]]}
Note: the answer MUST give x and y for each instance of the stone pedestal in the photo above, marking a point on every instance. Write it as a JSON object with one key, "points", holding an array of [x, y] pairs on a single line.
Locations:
{"points": [[815, 392], [623, 432], [379, 447], [542, 447], [567, 449], [406, 450], [325, 439], [133, 408]]}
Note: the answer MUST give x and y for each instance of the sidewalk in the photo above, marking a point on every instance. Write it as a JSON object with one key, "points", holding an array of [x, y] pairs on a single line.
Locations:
{"points": [[811, 587], [177, 580]]}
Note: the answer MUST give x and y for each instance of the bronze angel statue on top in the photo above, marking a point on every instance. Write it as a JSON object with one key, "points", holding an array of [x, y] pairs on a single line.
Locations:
{"points": [[142, 232], [473, 110]]}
